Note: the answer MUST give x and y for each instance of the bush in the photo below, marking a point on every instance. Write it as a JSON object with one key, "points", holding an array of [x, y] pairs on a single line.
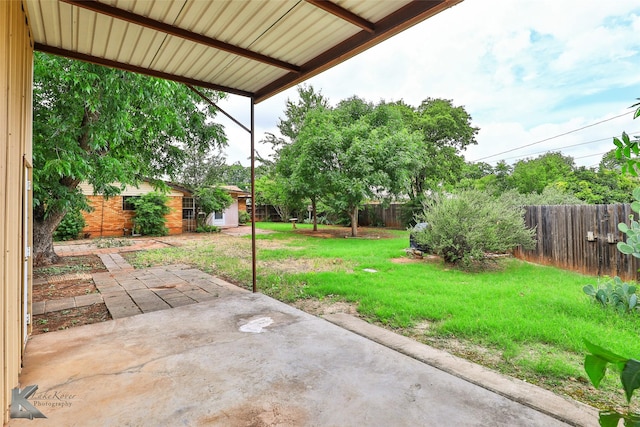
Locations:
{"points": [[550, 196], [207, 229], [244, 217], [465, 227], [411, 211], [150, 211], [70, 226], [210, 200], [320, 219]]}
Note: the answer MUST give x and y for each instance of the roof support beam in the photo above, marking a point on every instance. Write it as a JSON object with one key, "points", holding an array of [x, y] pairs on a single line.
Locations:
{"points": [[345, 14], [213, 104], [136, 69], [143, 21], [400, 20]]}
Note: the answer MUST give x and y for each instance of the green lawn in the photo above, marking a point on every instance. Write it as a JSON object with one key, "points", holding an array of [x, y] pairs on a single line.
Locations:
{"points": [[523, 319]]}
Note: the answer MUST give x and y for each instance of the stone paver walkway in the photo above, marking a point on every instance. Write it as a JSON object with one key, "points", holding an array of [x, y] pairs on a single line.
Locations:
{"points": [[127, 292], [114, 262], [43, 307]]}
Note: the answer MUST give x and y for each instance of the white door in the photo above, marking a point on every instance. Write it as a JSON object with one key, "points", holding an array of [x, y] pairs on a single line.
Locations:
{"points": [[218, 218]]}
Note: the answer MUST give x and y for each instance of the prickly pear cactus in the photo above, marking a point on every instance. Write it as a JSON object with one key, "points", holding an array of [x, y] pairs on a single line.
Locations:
{"points": [[632, 245]]}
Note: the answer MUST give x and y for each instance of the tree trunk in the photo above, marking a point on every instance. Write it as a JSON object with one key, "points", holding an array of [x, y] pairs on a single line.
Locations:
{"points": [[354, 222], [315, 214], [43, 228]]}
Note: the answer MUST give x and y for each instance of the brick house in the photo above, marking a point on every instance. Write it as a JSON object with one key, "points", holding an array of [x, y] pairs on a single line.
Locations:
{"points": [[113, 216]]}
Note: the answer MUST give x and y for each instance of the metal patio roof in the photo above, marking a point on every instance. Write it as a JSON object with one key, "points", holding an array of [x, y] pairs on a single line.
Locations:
{"points": [[254, 48]]}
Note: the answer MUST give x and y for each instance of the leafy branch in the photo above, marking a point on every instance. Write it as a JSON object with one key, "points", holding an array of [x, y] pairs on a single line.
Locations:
{"points": [[596, 364]]}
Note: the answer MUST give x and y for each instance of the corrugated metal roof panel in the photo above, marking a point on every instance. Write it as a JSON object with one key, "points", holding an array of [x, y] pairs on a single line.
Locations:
{"points": [[252, 47], [306, 31], [372, 11]]}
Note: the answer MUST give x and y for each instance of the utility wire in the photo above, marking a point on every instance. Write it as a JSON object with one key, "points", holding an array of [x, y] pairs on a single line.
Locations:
{"points": [[591, 155], [562, 148], [553, 137]]}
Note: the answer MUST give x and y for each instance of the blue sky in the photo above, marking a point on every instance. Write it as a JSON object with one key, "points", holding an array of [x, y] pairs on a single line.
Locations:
{"points": [[525, 70]]}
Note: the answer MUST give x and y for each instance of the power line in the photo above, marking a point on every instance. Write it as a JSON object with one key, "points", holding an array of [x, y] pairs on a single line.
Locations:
{"points": [[591, 155], [553, 137], [561, 148]]}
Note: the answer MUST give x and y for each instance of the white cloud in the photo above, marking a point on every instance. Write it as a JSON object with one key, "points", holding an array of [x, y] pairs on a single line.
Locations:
{"points": [[525, 70]]}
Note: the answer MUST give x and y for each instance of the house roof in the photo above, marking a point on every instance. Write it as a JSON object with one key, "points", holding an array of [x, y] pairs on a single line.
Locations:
{"points": [[254, 48], [234, 189]]}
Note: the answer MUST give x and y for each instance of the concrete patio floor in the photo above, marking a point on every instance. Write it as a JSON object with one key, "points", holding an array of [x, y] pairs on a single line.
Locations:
{"points": [[245, 359]]}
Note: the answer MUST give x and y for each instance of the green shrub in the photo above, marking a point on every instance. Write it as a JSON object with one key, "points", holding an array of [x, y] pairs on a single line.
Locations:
{"points": [[70, 226], [244, 217], [212, 199], [550, 196], [412, 210], [207, 229], [465, 227], [321, 219], [150, 211], [615, 294]]}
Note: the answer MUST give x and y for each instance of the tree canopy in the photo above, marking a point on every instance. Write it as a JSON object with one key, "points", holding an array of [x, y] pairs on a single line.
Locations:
{"points": [[553, 178], [357, 151], [349, 154], [110, 128], [446, 130]]}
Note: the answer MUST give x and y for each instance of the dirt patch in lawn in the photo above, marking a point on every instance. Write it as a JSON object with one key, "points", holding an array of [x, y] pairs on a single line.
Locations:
{"points": [[322, 307], [65, 319], [328, 232], [306, 265], [63, 289], [71, 276], [70, 265]]}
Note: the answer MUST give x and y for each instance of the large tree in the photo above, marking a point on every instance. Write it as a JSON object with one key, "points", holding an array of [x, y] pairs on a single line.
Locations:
{"points": [[354, 153], [446, 130], [109, 128], [234, 174], [273, 191], [287, 153], [200, 164], [533, 175]]}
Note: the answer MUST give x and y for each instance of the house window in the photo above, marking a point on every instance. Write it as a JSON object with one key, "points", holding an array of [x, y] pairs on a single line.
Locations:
{"points": [[218, 215], [188, 208], [127, 204]]}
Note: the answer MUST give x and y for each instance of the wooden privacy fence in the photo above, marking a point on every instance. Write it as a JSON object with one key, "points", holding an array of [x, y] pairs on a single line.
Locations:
{"points": [[581, 238], [376, 215]]}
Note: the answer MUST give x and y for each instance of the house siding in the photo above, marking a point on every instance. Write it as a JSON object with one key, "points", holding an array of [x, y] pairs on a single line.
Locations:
{"points": [[108, 219], [174, 217], [16, 77], [242, 204]]}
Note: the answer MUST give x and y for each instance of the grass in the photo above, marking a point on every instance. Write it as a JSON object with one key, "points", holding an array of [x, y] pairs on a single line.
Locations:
{"points": [[525, 320]]}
